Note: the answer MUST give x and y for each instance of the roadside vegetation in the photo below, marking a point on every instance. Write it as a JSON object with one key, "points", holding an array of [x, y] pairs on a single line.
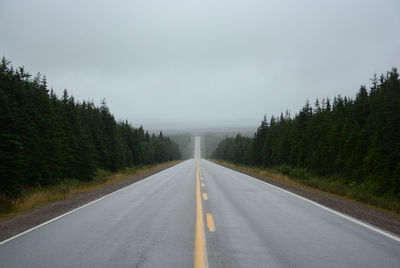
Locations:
{"points": [[50, 142], [210, 142], [41, 196], [345, 146], [203, 148], [185, 142], [213, 138]]}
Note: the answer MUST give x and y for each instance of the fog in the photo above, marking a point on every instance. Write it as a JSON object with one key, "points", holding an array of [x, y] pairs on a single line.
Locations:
{"points": [[189, 64]]}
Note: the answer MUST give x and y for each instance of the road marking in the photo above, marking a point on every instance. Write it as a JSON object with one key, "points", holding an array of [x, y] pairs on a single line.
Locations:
{"points": [[205, 197], [366, 225], [83, 206], [200, 250], [201, 178], [202, 185], [210, 222]]}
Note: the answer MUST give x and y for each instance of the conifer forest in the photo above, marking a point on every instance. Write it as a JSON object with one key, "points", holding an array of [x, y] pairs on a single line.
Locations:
{"points": [[46, 139], [355, 140]]}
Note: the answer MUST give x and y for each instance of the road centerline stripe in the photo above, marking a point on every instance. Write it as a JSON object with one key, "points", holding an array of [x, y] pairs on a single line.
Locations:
{"points": [[200, 250], [210, 222], [205, 197]]}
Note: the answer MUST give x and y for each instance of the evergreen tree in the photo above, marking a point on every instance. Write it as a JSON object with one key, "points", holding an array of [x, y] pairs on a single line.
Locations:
{"points": [[355, 139], [45, 139]]}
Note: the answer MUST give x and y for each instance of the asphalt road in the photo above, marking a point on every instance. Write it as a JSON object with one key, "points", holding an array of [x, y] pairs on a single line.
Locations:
{"points": [[246, 223]]}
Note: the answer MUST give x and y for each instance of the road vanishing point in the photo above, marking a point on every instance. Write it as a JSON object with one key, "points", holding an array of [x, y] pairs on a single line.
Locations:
{"points": [[200, 214]]}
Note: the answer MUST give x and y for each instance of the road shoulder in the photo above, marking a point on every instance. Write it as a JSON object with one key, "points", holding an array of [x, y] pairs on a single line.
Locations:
{"points": [[363, 212]]}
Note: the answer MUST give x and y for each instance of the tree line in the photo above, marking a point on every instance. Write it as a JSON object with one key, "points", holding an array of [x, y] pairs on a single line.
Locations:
{"points": [[184, 142], [356, 140], [45, 139]]}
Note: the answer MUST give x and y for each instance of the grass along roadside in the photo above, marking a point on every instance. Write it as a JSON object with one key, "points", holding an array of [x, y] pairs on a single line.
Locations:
{"points": [[333, 186], [42, 196]]}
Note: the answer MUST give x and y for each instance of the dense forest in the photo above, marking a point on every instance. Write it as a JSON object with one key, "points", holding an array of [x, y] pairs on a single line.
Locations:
{"points": [[45, 139], [356, 140], [214, 136], [211, 141], [185, 143]]}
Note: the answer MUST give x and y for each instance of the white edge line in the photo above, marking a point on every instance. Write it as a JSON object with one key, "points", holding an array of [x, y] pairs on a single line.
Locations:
{"points": [[78, 208], [373, 228]]}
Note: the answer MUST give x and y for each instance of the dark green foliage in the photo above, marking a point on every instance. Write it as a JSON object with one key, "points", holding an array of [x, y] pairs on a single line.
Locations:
{"points": [[354, 139], [45, 139], [234, 149], [211, 141], [214, 136]]}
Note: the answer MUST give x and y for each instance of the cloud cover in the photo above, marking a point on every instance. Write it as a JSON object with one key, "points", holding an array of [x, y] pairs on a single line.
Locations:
{"points": [[203, 63]]}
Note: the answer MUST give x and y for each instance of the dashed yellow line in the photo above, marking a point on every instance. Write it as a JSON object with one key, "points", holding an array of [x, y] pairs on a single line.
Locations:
{"points": [[200, 254], [202, 184], [201, 178], [210, 222], [205, 197]]}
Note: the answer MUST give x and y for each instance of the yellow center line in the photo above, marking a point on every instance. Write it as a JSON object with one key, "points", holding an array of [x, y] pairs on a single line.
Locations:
{"points": [[210, 222], [201, 178], [202, 184], [205, 197], [200, 254]]}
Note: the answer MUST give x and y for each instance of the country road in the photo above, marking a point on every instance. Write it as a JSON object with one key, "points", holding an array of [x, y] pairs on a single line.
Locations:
{"points": [[199, 213]]}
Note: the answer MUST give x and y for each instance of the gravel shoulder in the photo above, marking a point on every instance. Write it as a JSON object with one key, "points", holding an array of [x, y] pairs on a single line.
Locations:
{"points": [[23, 222], [379, 218]]}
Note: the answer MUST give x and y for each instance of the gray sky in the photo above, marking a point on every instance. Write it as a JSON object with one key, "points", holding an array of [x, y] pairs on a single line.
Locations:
{"points": [[172, 63]]}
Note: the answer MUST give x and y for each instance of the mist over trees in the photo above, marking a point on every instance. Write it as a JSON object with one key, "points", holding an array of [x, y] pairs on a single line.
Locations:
{"points": [[45, 139], [184, 142], [354, 140], [213, 137]]}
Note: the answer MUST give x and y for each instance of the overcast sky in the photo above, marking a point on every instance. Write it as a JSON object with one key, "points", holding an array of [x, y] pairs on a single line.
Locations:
{"points": [[182, 63]]}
